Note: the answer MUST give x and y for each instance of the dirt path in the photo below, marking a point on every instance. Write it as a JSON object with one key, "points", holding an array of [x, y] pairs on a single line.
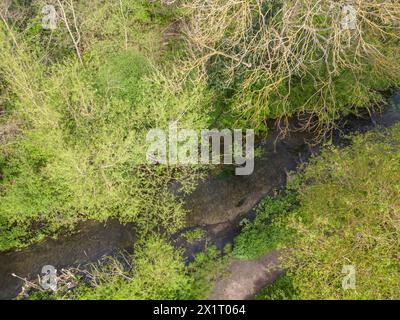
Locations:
{"points": [[247, 277]]}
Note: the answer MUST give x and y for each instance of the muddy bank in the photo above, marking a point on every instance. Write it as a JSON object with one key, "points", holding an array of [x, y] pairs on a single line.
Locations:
{"points": [[247, 277], [92, 241], [217, 206]]}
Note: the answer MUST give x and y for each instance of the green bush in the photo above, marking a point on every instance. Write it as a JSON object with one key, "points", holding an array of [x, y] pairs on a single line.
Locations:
{"points": [[155, 271], [208, 266], [81, 151], [281, 289], [348, 214], [268, 231], [275, 59], [158, 273], [120, 25]]}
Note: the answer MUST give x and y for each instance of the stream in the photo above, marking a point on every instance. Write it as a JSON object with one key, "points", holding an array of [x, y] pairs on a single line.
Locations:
{"points": [[217, 206]]}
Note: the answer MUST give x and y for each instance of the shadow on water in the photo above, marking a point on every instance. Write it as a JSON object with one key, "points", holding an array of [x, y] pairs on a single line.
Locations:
{"points": [[217, 206]]}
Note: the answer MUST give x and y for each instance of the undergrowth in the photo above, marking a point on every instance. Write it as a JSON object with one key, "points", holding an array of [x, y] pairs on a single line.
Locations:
{"points": [[347, 214], [155, 271]]}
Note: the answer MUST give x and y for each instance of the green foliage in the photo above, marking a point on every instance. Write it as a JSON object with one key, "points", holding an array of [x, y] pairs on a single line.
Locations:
{"points": [[281, 289], [77, 102], [81, 151], [158, 273], [206, 268], [194, 235], [114, 24], [267, 232], [155, 271], [348, 214]]}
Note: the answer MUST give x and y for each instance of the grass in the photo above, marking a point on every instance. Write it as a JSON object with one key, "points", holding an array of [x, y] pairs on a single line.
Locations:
{"points": [[155, 271], [347, 213]]}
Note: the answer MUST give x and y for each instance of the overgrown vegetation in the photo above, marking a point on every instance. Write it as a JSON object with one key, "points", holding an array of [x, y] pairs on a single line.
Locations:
{"points": [[348, 214], [158, 273], [278, 58], [80, 151], [268, 230], [77, 101], [155, 271], [194, 235]]}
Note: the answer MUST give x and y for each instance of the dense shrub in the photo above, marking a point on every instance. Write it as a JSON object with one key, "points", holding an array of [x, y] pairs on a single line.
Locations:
{"points": [[348, 214], [268, 230], [77, 102], [158, 272], [82, 26], [80, 151], [273, 59]]}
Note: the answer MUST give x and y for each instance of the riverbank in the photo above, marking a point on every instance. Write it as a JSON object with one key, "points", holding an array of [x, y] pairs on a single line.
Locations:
{"points": [[217, 206]]}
